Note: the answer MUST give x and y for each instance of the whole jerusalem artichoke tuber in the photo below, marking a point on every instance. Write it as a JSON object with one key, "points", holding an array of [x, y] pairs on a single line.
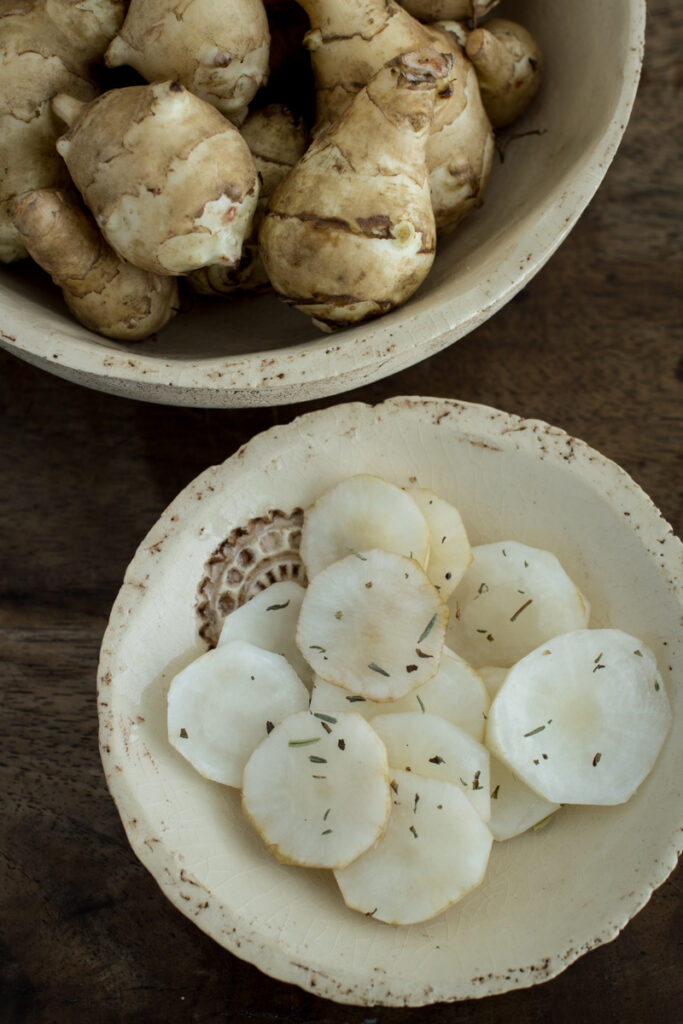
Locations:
{"points": [[218, 49], [350, 233], [169, 180], [104, 292], [45, 48]]}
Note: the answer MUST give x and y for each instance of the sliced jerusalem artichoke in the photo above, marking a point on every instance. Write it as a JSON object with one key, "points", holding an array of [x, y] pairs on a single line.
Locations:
{"points": [[455, 693], [169, 180], [508, 62], [350, 232], [434, 851], [449, 549], [493, 677], [225, 702], [218, 49], [317, 789], [512, 598], [276, 140], [514, 807], [104, 292], [436, 749], [269, 620], [581, 719], [373, 624], [359, 513]]}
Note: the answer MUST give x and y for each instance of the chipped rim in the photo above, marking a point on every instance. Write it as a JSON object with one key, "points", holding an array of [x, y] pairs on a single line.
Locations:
{"points": [[482, 426], [314, 368]]}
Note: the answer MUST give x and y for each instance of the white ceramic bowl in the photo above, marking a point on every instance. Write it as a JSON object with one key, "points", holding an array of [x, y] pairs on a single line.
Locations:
{"points": [[259, 352], [548, 896]]}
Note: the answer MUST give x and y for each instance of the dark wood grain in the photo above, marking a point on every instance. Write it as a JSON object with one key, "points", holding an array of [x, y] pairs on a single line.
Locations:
{"points": [[593, 345]]}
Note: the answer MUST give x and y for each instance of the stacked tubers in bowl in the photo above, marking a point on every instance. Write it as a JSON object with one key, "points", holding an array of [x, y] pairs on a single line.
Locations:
{"points": [[199, 171]]}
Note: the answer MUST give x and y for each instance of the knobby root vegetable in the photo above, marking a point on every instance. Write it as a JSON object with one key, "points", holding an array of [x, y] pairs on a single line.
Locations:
{"points": [[435, 10], [106, 294], [508, 62], [217, 48], [169, 180], [460, 147], [277, 140], [350, 232], [45, 48], [350, 44]]}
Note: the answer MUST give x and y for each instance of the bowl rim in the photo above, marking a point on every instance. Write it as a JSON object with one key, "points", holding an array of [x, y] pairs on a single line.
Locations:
{"points": [[371, 351], [480, 425]]}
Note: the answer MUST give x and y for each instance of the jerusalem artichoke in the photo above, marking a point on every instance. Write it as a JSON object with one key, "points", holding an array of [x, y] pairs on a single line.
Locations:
{"points": [[350, 232], [45, 48], [508, 62], [106, 294], [218, 49], [169, 180], [348, 46]]}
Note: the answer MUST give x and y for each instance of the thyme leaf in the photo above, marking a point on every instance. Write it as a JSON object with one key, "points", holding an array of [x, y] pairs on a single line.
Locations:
{"points": [[539, 728], [317, 760], [597, 759], [325, 718], [304, 743], [376, 668], [494, 794], [420, 702], [276, 607], [413, 830], [353, 699]]}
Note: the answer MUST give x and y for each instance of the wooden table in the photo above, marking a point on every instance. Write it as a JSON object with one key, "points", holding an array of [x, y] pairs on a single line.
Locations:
{"points": [[593, 345]]}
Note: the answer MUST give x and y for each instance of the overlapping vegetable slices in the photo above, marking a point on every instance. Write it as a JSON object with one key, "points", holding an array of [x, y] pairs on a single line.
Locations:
{"points": [[383, 775]]}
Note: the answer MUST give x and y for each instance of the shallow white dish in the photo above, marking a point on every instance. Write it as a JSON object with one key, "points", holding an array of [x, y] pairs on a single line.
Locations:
{"points": [[251, 352], [548, 896]]}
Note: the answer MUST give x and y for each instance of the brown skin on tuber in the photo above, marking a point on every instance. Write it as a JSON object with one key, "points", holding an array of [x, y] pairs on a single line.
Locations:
{"points": [[216, 48], [45, 48], [170, 181], [508, 63], [349, 43], [105, 293], [277, 140], [457, 10], [350, 233]]}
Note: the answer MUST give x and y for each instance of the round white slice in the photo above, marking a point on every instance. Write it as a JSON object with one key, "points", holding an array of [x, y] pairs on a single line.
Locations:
{"points": [[514, 807], [455, 693], [269, 620], [374, 624], [449, 549], [223, 704], [582, 719], [433, 748], [317, 789], [511, 599], [360, 513], [493, 677], [435, 849]]}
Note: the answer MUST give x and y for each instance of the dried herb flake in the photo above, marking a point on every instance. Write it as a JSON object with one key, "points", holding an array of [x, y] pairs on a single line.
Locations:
{"points": [[428, 628], [304, 743], [276, 607]]}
